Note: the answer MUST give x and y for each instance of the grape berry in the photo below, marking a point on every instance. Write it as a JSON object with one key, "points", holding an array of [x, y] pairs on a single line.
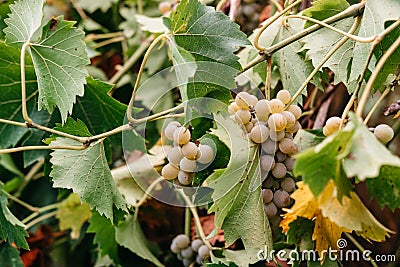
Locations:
{"points": [[190, 253]]}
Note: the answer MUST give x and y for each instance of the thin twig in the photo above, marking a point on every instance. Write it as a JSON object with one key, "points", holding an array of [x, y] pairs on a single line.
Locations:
{"points": [[26, 148], [351, 36], [109, 41], [135, 88], [56, 132], [129, 63], [379, 65], [41, 210], [40, 219], [139, 6], [97, 36], [188, 221], [351, 11], [324, 60], [384, 94], [23, 83], [160, 114], [196, 219], [16, 123], [268, 79], [148, 191], [170, 116], [22, 203], [277, 5], [79, 9], [360, 247], [269, 22]]}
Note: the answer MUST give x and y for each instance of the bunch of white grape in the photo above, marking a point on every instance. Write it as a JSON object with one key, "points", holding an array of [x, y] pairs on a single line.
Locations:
{"points": [[383, 132], [271, 124], [185, 156], [189, 252]]}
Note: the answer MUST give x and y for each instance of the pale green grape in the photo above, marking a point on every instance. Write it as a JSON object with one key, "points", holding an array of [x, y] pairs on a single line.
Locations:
{"points": [[262, 110], [206, 154], [190, 150], [169, 172], [187, 165], [276, 136], [175, 155], [290, 119], [284, 96], [276, 106], [185, 178], [277, 122], [269, 146], [295, 110], [182, 135], [384, 133], [259, 133], [243, 116]]}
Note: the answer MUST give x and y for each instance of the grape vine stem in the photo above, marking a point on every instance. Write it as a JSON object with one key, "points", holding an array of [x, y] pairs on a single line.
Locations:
{"points": [[374, 75], [26, 148], [196, 219], [384, 94], [354, 10], [40, 219], [22, 203], [324, 60], [360, 247], [148, 191]]}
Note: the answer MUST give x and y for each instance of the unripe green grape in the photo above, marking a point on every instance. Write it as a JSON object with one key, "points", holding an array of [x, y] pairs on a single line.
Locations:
{"points": [[284, 96], [253, 100], [204, 252], [185, 178], [295, 128], [262, 110], [279, 170], [281, 198], [259, 133], [181, 241], [196, 244], [190, 150], [288, 185], [242, 116], [280, 156], [170, 129], [169, 172], [206, 154], [326, 131], [269, 146], [333, 124], [164, 7], [288, 135], [267, 195], [287, 146], [267, 162], [175, 155], [174, 248], [384, 133], [243, 100], [187, 253], [276, 136], [248, 126], [182, 135], [289, 163], [232, 108], [290, 119], [295, 110], [277, 122], [270, 209], [276, 106], [187, 165]]}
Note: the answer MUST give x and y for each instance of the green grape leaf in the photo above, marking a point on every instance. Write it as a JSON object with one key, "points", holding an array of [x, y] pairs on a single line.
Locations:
{"points": [[58, 53], [323, 9], [129, 234], [376, 13], [11, 229], [308, 138], [237, 191], [102, 113], [9, 256], [59, 58], [24, 21], [195, 35], [300, 233], [72, 214], [386, 187], [193, 24], [86, 172], [367, 155], [321, 163], [292, 66], [104, 237], [389, 68], [319, 44], [241, 153]]}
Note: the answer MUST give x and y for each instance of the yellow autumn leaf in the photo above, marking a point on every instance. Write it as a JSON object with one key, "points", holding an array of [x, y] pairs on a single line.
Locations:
{"points": [[305, 205], [326, 233], [72, 214], [332, 218], [351, 214]]}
